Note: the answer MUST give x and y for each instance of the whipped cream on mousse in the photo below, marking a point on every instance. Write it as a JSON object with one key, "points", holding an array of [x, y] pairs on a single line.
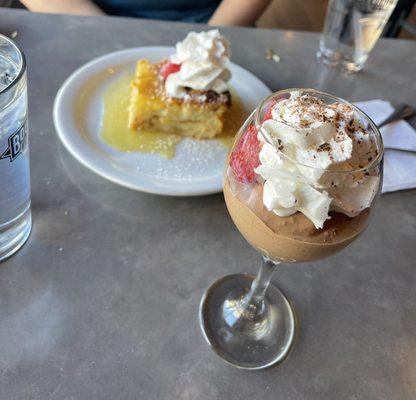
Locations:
{"points": [[203, 59], [306, 145]]}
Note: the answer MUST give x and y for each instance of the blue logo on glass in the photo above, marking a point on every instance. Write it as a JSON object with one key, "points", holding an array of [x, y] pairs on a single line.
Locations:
{"points": [[16, 144]]}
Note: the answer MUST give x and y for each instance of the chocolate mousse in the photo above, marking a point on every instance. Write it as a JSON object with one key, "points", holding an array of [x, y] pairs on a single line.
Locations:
{"points": [[292, 238]]}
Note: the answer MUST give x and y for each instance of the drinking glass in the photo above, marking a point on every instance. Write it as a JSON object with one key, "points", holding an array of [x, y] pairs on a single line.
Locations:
{"points": [[245, 319], [15, 216], [352, 28]]}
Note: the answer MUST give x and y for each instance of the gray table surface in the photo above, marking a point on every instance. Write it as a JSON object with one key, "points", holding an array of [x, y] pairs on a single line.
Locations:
{"points": [[101, 303]]}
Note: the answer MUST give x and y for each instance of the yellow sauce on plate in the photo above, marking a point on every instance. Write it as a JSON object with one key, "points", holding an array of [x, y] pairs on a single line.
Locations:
{"points": [[115, 132]]}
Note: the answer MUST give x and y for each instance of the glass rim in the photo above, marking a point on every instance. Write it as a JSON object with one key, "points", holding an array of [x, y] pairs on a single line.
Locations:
{"points": [[377, 160], [22, 66]]}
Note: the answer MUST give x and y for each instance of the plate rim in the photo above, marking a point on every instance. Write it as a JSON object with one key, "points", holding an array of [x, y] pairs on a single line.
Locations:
{"points": [[110, 173]]}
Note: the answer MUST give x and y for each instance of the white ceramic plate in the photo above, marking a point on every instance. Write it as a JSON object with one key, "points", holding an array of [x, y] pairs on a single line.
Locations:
{"points": [[197, 166]]}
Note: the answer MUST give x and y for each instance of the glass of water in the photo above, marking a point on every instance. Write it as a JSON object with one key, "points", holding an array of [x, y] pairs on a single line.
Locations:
{"points": [[15, 216], [352, 28]]}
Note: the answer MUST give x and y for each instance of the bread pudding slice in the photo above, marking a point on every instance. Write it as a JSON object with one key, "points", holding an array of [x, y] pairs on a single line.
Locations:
{"points": [[200, 114]]}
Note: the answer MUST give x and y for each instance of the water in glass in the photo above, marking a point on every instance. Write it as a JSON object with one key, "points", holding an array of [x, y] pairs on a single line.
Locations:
{"points": [[15, 217], [352, 28]]}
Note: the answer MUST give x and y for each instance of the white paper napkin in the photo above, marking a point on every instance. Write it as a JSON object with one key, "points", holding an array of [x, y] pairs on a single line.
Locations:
{"points": [[399, 166]]}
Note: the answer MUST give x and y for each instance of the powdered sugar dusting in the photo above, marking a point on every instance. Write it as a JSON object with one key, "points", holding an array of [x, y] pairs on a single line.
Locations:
{"points": [[194, 158]]}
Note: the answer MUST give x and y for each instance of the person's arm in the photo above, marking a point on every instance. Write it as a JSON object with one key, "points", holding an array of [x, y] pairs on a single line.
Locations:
{"points": [[78, 7], [238, 12]]}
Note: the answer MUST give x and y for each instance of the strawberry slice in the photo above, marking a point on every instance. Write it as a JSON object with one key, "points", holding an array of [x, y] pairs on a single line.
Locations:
{"points": [[245, 156], [268, 111], [169, 68]]}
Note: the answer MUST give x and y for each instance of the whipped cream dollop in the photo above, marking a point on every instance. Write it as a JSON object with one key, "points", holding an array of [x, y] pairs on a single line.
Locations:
{"points": [[306, 145], [204, 59]]}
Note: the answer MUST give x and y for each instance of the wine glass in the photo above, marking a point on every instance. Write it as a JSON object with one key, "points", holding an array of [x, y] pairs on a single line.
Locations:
{"points": [[245, 319]]}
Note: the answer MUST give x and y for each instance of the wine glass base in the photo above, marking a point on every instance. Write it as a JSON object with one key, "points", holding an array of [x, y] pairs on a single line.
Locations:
{"points": [[237, 336]]}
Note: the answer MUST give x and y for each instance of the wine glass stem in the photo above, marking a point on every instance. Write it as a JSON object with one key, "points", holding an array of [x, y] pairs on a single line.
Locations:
{"points": [[252, 305], [260, 284]]}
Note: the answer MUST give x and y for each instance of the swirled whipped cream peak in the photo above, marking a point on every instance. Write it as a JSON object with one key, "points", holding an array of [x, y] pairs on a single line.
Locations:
{"points": [[307, 143], [203, 60]]}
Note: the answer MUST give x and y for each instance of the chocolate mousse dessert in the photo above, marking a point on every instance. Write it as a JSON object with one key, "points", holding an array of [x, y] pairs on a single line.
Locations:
{"points": [[302, 178]]}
